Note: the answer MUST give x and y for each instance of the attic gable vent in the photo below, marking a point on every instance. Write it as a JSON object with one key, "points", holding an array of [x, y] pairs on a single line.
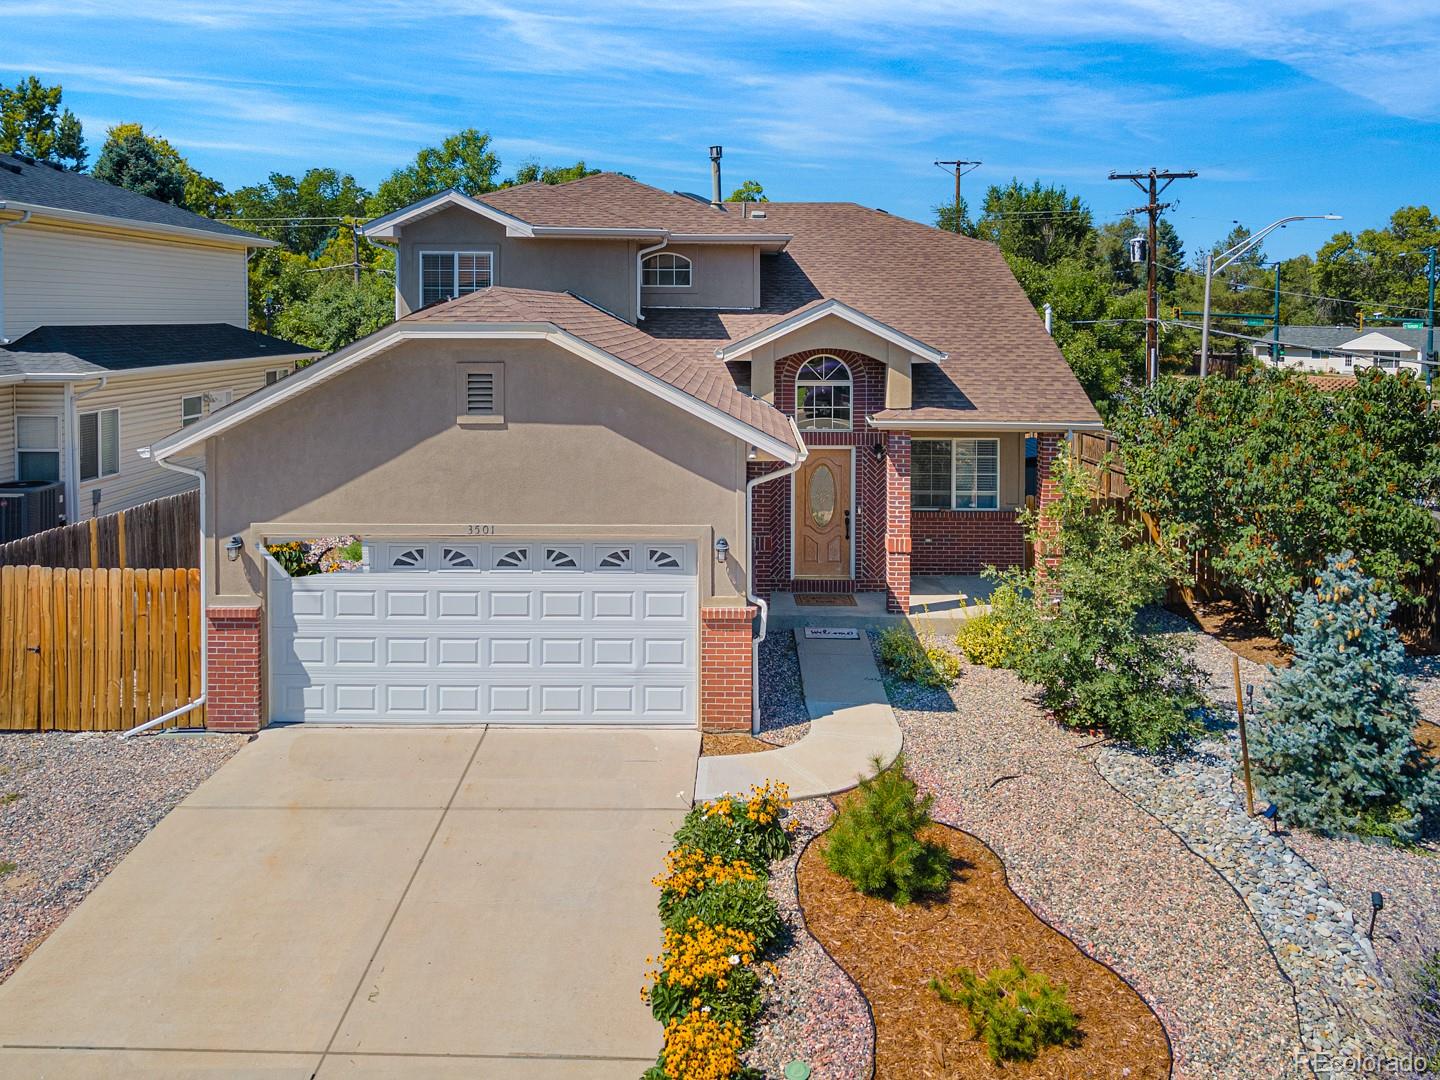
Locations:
{"points": [[480, 394]]}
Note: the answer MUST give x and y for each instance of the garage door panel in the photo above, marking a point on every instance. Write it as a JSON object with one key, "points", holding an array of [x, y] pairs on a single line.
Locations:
{"points": [[611, 638]]}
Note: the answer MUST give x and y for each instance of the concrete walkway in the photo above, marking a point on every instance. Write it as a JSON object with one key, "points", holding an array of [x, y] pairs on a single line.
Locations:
{"points": [[374, 903], [850, 722]]}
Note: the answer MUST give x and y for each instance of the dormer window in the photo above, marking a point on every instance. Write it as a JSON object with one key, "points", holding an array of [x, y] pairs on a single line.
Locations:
{"points": [[667, 270], [444, 275], [822, 395]]}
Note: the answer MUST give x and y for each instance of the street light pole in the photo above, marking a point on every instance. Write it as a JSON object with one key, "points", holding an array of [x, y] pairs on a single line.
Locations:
{"points": [[1228, 256]]}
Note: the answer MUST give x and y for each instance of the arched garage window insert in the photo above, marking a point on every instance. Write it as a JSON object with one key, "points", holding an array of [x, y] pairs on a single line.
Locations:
{"points": [[666, 269], [822, 395]]}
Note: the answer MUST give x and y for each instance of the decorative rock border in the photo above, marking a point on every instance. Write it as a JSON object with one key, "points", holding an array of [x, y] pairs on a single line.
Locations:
{"points": [[1341, 994]]}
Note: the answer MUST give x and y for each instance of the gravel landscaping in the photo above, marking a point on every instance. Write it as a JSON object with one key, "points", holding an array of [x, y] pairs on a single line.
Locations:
{"points": [[813, 1012], [72, 806], [783, 717], [1104, 872]]}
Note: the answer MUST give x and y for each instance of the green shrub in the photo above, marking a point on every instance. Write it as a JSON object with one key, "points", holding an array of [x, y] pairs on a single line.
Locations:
{"points": [[354, 551], [1017, 1013], [1334, 747], [918, 659], [1082, 644], [745, 905], [735, 827], [874, 843], [984, 641]]}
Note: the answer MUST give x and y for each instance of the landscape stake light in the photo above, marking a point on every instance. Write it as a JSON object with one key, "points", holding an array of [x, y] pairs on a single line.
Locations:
{"points": [[1272, 814], [1377, 901], [233, 548]]}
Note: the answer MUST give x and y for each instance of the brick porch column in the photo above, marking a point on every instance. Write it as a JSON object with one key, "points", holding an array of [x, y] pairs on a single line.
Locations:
{"points": [[234, 650], [1052, 444], [897, 522], [726, 655]]}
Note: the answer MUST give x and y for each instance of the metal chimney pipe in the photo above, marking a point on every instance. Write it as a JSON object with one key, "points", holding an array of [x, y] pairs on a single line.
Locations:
{"points": [[716, 199]]}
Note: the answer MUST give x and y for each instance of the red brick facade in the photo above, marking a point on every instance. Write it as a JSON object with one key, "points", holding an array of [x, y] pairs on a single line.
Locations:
{"points": [[1052, 445], [726, 655], [233, 703], [965, 541], [898, 522]]}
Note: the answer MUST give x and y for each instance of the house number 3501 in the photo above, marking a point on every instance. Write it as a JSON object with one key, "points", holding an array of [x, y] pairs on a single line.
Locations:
{"points": [[480, 530]]}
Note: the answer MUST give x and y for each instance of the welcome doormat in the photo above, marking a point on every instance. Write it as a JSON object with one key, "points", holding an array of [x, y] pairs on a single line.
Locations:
{"points": [[824, 599]]}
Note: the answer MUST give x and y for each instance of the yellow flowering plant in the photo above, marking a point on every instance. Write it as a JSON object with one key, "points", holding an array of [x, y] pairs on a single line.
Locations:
{"points": [[749, 827], [705, 968], [700, 1047]]}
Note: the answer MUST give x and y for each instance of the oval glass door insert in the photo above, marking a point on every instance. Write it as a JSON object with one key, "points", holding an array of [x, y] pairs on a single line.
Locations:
{"points": [[822, 496]]}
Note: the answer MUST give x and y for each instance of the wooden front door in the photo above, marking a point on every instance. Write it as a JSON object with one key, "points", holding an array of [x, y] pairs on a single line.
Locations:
{"points": [[823, 514]]}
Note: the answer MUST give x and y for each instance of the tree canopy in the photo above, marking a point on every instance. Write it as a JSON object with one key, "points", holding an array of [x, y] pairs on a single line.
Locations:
{"points": [[33, 122], [131, 160], [749, 191], [464, 162]]}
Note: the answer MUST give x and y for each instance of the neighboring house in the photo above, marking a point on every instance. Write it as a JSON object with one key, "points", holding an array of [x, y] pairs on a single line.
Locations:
{"points": [[640, 416], [121, 319], [1344, 350]]}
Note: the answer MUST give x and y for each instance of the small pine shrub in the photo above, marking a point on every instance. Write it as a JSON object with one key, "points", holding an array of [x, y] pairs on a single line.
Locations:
{"points": [[918, 659], [1016, 1012], [736, 827], [874, 843], [1334, 747]]}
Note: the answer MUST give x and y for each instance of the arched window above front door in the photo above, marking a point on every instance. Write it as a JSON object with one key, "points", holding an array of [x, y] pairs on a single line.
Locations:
{"points": [[822, 395]]}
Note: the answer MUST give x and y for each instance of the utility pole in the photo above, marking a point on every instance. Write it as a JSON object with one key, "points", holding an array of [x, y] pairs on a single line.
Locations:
{"points": [[355, 251], [959, 168], [1150, 183]]}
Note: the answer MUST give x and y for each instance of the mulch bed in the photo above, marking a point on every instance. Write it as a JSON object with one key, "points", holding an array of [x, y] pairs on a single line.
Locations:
{"points": [[724, 745], [892, 953], [1232, 623], [1427, 735]]}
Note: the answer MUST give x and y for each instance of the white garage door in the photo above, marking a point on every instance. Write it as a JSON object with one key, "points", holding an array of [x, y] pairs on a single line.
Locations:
{"points": [[508, 632]]}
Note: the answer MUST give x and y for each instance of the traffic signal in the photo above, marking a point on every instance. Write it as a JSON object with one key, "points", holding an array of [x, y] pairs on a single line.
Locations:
{"points": [[1175, 312], [1359, 320]]}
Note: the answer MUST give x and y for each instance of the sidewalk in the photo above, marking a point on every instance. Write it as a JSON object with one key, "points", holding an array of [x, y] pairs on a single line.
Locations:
{"points": [[851, 722]]}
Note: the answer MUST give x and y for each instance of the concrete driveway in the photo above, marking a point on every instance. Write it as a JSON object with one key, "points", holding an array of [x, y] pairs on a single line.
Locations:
{"points": [[374, 903]]}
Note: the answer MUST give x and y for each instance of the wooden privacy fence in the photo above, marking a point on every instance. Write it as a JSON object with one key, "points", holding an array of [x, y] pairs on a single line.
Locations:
{"points": [[157, 534], [97, 650]]}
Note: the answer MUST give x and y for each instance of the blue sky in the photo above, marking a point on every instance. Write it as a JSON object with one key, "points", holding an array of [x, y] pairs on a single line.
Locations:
{"points": [[1326, 106]]}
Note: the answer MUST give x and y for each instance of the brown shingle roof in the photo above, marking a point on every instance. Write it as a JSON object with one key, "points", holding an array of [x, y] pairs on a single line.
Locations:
{"points": [[708, 382], [612, 201], [951, 292]]}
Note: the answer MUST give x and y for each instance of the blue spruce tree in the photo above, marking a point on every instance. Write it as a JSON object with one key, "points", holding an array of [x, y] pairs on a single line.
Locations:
{"points": [[1335, 745]]}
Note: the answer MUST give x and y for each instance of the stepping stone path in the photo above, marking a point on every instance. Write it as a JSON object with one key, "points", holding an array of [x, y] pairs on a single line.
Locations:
{"points": [[1341, 994]]}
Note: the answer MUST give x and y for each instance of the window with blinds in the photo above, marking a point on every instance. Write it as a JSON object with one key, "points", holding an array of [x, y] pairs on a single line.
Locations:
{"points": [[99, 444], [482, 393], [955, 474]]}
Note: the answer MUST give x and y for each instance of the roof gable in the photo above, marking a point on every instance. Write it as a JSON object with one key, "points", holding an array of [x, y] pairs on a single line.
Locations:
{"points": [[1375, 341], [826, 309]]}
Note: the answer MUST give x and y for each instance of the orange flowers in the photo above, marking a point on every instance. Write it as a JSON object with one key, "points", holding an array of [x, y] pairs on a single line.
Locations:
{"points": [[700, 1048], [703, 953], [687, 871]]}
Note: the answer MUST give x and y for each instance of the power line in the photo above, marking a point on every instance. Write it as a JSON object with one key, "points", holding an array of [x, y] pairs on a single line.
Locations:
{"points": [[958, 167], [1305, 295], [1231, 334]]}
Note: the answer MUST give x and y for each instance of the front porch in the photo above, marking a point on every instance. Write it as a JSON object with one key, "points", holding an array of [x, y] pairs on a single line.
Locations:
{"points": [[938, 603]]}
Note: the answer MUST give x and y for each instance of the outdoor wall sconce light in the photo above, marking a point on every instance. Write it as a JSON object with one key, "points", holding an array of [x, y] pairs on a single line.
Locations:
{"points": [[233, 548], [722, 550], [1377, 902], [879, 451]]}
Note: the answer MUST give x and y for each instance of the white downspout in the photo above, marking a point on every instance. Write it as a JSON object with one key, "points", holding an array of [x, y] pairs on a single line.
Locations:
{"points": [[761, 603], [191, 706], [640, 273], [21, 220]]}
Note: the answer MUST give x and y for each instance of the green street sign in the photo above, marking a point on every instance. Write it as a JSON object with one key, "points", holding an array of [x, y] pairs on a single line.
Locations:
{"points": [[1256, 321]]}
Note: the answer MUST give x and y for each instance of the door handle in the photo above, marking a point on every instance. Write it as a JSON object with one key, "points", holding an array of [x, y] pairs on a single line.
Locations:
{"points": [[847, 524]]}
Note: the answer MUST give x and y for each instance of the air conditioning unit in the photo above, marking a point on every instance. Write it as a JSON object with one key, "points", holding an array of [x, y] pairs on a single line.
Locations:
{"points": [[30, 506]]}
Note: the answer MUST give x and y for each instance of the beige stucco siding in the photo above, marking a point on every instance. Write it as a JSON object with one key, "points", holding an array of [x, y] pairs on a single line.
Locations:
{"points": [[1012, 460], [721, 276], [7, 434], [377, 450], [68, 277], [149, 410], [602, 271]]}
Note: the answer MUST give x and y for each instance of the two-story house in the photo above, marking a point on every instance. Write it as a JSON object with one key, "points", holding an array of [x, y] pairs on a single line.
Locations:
{"points": [[122, 318], [609, 423]]}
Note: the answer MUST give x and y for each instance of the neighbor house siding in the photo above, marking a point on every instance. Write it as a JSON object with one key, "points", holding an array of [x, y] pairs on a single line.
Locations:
{"points": [[149, 410], [7, 434], [68, 277]]}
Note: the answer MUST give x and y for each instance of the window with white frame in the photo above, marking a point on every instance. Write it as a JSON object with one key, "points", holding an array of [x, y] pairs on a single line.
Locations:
{"points": [[822, 395], [955, 474], [275, 374], [666, 269], [37, 448], [444, 275], [191, 409], [99, 444]]}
